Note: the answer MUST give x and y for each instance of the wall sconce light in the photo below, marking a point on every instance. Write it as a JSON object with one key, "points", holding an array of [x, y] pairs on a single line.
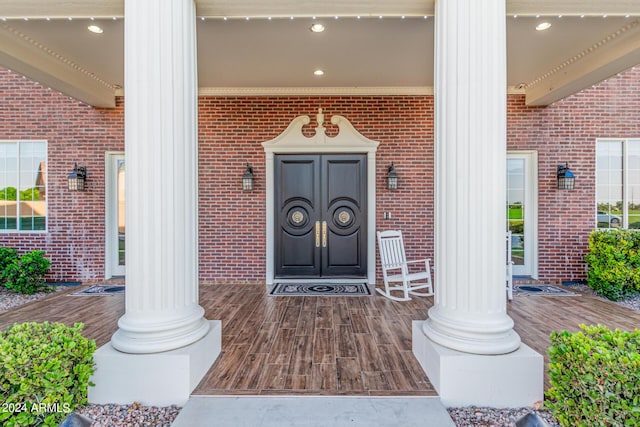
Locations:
{"points": [[392, 178], [566, 178], [247, 179], [77, 178]]}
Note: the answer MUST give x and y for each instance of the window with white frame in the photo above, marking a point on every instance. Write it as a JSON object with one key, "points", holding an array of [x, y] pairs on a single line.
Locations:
{"points": [[23, 185], [618, 183]]}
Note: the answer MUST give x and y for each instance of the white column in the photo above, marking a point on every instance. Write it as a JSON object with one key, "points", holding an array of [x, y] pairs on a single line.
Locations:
{"points": [[469, 313], [161, 148]]}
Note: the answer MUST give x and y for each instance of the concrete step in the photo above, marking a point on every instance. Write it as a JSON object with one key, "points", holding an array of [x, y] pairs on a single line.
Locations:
{"points": [[313, 411]]}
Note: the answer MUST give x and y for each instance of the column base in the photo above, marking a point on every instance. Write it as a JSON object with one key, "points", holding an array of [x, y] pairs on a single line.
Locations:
{"points": [[157, 379], [462, 379]]}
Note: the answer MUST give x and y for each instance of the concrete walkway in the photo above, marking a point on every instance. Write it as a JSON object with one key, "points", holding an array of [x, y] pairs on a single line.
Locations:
{"points": [[313, 411]]}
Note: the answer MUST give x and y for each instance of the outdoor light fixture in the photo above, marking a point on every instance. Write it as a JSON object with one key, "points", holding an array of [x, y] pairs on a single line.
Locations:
{"points": [[77, 178], [392, 178], [566, 178], [247, 179]]}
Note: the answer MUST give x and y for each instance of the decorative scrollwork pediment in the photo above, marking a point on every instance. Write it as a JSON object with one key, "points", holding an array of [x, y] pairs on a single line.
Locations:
{"points": [[347, 139]]}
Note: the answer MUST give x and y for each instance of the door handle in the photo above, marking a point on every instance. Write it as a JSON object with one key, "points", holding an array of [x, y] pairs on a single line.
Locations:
{"points": [[317, 234], [324, 234]]}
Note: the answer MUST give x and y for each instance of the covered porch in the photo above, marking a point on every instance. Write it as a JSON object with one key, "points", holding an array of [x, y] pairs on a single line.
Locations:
{"points": [[313, 346], [355, 346]]}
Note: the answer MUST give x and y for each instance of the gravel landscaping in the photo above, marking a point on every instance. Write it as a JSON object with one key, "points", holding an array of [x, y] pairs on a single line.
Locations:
{"points": [[11, 299], [632, 302], [492, 417], [138, 415], [130, 415]]}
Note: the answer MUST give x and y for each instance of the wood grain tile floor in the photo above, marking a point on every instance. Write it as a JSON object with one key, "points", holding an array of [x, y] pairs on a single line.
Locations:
{"points": [[321, 345], [313, 345]]}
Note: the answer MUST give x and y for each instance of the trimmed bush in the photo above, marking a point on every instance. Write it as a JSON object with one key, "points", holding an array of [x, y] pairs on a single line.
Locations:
{"points": [[26, 273], [44, 372], [7, 256], [595, 377], [614, 263]]}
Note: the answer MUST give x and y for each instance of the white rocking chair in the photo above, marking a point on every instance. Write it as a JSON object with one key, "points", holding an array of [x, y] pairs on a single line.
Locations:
{"points": [[509, 268], [392, 258]]}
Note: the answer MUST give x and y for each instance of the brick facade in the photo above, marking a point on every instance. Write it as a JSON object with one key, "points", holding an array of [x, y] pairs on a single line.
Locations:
{"points": [[232, 222], [74, 132], [567, 131]]}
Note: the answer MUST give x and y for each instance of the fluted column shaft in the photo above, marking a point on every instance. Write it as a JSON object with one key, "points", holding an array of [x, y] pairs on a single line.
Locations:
{"points": [[469, 313], [161, 149]]}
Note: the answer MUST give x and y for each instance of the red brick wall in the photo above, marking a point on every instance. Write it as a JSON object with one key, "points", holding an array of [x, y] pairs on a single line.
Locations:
{"points": [[75, 132], [232, 224], [567, 131]]}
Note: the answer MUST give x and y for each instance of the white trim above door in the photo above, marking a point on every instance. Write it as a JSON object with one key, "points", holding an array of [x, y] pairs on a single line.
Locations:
{"points": [[114, 215], [348, 140], [522, 211]]}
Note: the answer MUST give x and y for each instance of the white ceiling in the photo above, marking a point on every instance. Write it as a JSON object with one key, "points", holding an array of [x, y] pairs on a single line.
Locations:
{"points": [[391, 53]]}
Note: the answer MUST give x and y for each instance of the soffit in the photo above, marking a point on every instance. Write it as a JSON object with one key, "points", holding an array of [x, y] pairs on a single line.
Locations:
{"points": [[354, 53]]}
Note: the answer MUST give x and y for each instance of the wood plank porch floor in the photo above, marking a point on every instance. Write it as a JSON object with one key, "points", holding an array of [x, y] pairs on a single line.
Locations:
{"points": [[321, 345]]}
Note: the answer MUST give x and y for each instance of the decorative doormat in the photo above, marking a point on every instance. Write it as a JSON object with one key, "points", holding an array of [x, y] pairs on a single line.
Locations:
{"points": [[545, 290], [321, 289], [100, 290]]}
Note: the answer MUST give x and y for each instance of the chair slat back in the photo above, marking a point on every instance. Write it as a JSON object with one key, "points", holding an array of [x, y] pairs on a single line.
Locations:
{"points": [[391, 248]]}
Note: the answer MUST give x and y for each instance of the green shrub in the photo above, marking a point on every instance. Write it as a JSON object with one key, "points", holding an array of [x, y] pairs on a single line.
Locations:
{"points": [[614, 263], [595, 377], [44, 372], [26, 273], [7, 256]]}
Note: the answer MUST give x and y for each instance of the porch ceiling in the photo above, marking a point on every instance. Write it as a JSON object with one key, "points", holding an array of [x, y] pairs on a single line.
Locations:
{"points": [[360, 56]]}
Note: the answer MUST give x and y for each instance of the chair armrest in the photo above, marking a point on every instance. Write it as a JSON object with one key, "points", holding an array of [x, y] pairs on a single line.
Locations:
{"points": [[418, 260]]}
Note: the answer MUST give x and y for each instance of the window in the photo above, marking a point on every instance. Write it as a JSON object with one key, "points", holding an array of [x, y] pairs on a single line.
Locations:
{"points": [[618, 183], [23, 185]]}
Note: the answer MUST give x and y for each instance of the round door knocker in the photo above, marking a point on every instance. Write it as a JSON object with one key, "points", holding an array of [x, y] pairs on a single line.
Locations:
{"points": [[297, 217], [344, 217]]}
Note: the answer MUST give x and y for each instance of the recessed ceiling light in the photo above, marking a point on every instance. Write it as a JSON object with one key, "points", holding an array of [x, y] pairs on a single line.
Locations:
{"points": [[95, 29], [543, 26], [318, 73], [317, 28]]}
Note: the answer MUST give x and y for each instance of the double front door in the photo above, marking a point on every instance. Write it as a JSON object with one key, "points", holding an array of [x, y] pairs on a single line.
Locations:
{"points": [[321, 218]]}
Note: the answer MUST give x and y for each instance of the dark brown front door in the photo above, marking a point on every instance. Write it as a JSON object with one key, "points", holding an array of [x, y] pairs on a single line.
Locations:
{"points": [[321, 218]]}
